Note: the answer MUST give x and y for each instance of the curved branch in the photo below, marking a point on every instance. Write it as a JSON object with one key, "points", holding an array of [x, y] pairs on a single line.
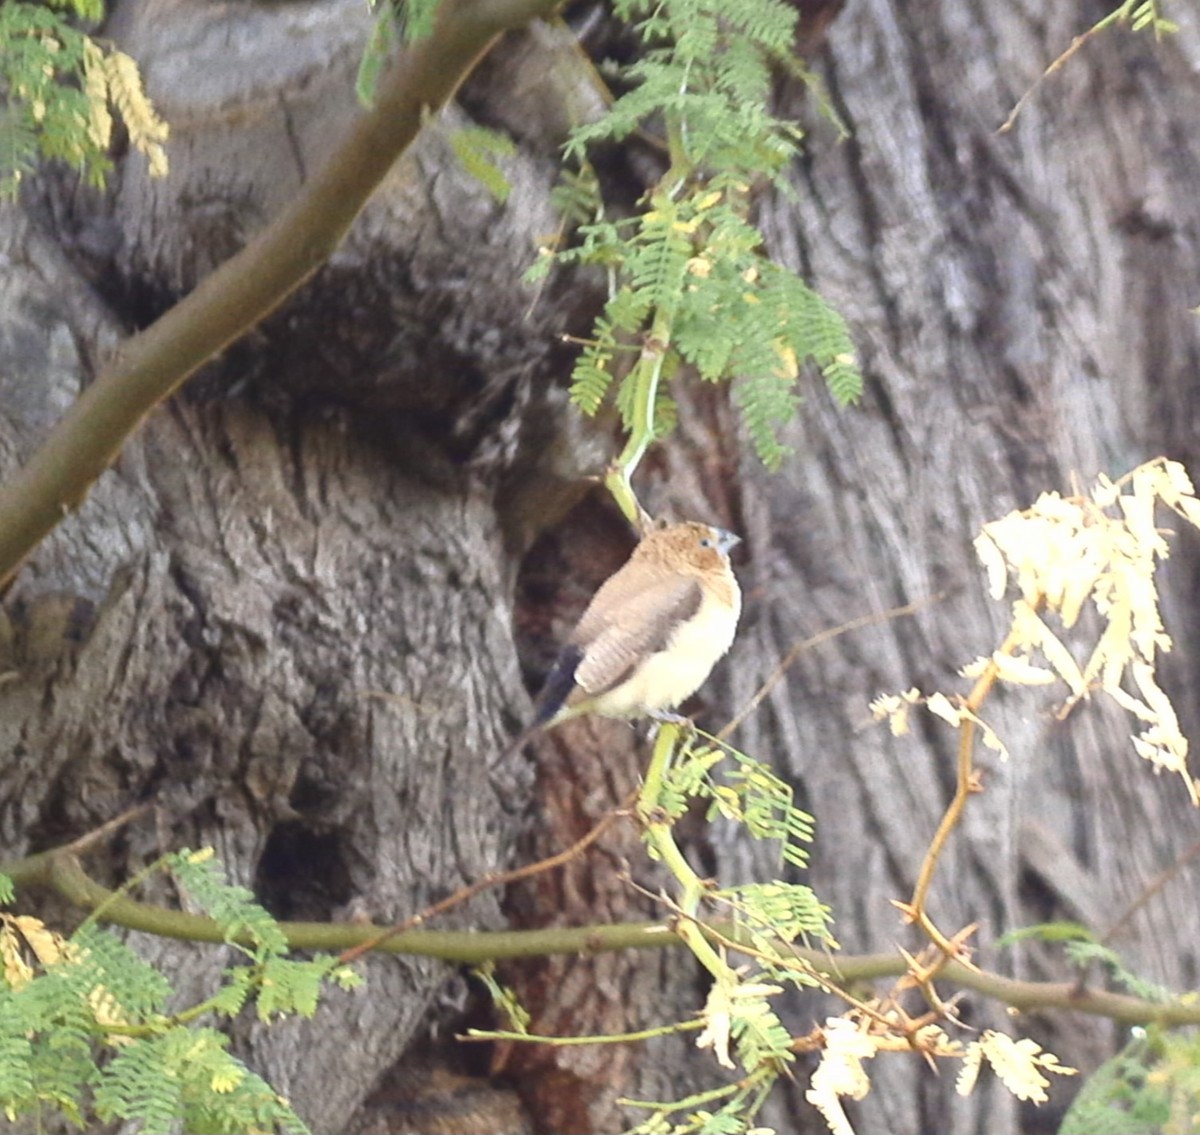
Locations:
{"points": [[246, 288]]}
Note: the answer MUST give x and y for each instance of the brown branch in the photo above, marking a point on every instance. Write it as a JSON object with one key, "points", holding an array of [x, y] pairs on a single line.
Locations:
{"points": [[965, 785], [246, 288], [97, 835], [806, 644], [497, 879], [1149, 891], [1057, 64]]}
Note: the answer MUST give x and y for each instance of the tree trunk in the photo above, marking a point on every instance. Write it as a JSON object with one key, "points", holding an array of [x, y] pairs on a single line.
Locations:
{"points": [[1020, 302], [291, 615]]}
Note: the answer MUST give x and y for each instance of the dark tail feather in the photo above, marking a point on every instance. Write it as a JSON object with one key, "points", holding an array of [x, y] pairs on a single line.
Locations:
{"points": [[553, 696]]}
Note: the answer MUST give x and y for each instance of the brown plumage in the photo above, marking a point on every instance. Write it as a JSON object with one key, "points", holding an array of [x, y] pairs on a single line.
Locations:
{"points": [[651, 634]]}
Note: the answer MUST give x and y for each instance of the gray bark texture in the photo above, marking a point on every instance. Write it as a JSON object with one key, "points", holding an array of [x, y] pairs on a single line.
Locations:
{"points": [[295, 614]]}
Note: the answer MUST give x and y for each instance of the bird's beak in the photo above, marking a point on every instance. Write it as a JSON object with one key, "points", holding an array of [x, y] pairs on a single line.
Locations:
{"points": [[726, 541]]}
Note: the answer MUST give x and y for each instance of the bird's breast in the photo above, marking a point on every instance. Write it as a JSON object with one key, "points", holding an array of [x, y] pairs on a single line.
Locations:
{"points": [[664, 679]]}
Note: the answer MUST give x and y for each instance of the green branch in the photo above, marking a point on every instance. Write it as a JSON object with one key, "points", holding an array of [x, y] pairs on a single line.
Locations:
{"points": [[663, 847], [61, 872], [645, 380], [249, 286]]}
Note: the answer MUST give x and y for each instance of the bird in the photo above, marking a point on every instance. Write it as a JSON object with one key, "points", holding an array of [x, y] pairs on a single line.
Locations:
{"points": [[650, 636]]}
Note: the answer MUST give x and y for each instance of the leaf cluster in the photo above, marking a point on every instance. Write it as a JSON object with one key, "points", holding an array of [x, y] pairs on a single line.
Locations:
{"points": [[1100, 551], [688, 281], [742, 790], [1085, 949], [1065, 556], [85, 1035], [1144, 14], [59, 86], [1152, 1085], [740, 1025], [397, 22]]}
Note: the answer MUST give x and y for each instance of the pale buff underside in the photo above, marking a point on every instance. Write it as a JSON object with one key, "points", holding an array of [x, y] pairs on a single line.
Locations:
{"points": [[661, 681]]}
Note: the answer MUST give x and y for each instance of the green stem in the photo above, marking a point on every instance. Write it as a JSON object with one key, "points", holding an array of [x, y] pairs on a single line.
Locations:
{"points": [[159, 1025], [568, 1041], [101, 909], [62, 873], [646, 377], [660, 760], [741, 1088], [662, 844]]}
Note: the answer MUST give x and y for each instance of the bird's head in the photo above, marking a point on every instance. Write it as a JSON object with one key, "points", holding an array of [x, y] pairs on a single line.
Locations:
{"points": [[688, 546]]}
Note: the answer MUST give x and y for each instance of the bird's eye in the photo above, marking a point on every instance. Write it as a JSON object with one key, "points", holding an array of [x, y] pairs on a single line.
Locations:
{"points": [[706, 542]]}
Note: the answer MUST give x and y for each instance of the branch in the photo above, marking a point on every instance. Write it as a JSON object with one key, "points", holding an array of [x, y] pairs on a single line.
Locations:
{"points": [[805, 644], [246, 288], [965, 785], [646, 376], [499, 879], [661, 841], [60, 871]]}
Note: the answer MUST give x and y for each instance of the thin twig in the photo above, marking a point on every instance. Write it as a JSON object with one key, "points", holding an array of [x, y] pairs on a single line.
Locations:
{"points": [[789, 659], [498, 879], [88, 840], [964, 787], [1150, 890], [477, 1035], [1059, 63]]}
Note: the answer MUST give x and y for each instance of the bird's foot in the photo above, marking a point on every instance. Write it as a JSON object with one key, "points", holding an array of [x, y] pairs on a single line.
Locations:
{"points": [[665, 717]]}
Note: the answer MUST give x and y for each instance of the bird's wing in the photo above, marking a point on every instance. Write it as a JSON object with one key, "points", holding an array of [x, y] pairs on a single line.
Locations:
{"points": [[640, 625]]}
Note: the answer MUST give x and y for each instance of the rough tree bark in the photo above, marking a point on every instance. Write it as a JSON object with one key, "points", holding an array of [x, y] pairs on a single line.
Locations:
{"points": [[287, 616]]}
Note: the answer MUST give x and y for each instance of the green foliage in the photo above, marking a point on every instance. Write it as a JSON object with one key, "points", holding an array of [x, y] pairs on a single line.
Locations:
{"points": [[1143, 14], [396, 22], [59, 85], [687, 276], [477, 150], [756, 797], [706, 72], [777, 911], [414, 18], [234, 907], [105, 962], [1151, 1086], [503, 998], [1084, 950], [286, 986], [1085, 953], [188, 1078], [84, 1033], [90, 11], [740, 789], [740, 1025], [384, 38]]}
